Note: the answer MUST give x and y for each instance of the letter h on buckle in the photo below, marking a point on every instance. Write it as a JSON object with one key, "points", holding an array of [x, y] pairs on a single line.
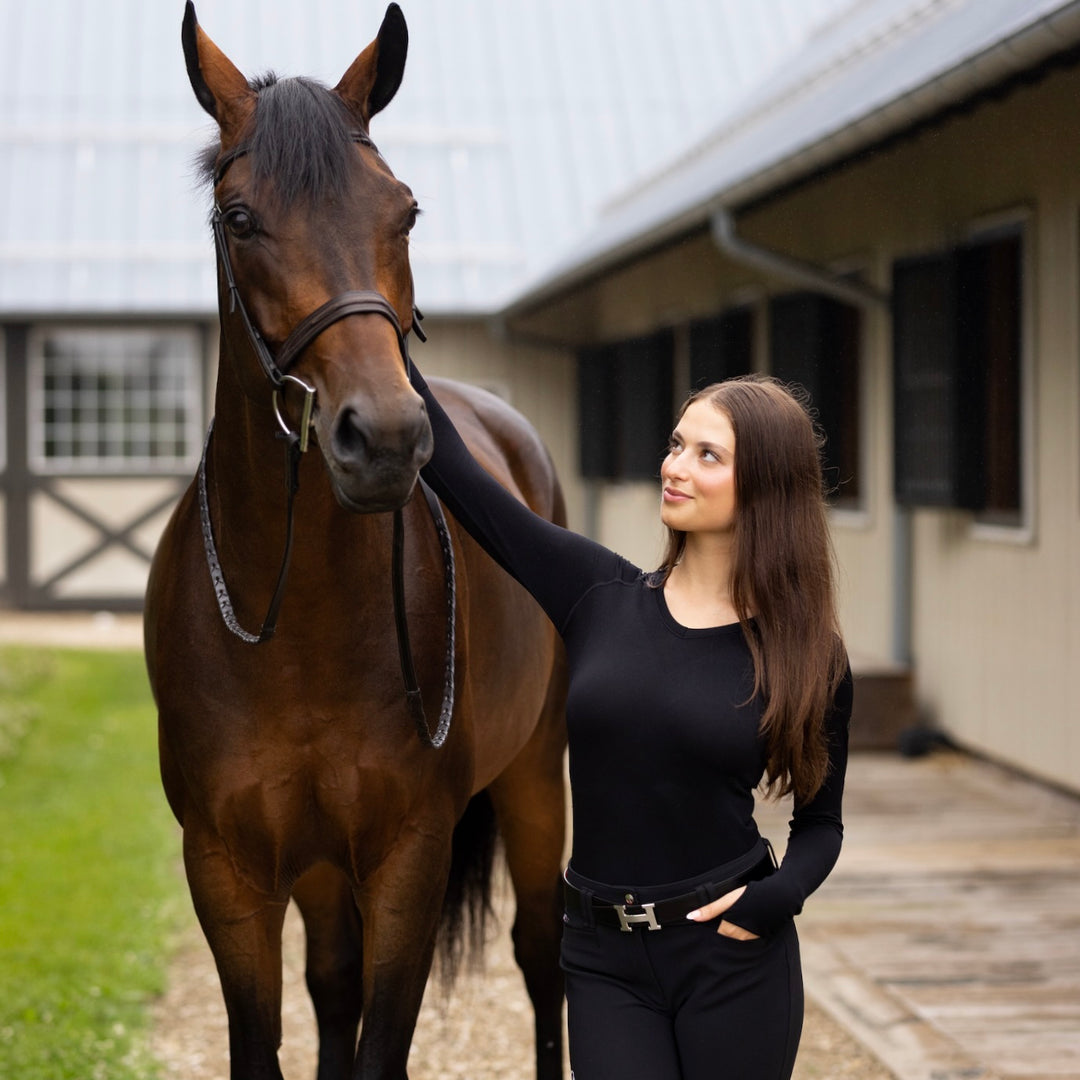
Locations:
{"points": [[647, 917]]}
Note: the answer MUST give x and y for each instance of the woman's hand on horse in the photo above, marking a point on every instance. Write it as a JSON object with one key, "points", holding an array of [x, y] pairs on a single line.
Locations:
{"points": [[718, 907]]}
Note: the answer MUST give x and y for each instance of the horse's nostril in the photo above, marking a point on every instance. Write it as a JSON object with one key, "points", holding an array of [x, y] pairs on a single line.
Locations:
{"points": [[350, 438]]}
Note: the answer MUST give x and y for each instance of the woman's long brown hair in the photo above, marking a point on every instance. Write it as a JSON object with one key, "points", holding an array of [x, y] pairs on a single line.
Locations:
{"points": [[783, 581]]}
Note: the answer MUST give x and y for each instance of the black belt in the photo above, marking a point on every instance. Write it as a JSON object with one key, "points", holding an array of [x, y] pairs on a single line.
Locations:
{"points": [[670, 911]]}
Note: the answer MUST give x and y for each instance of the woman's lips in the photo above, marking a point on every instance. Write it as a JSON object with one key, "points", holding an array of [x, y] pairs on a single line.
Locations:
{"points": [[672, 495]]}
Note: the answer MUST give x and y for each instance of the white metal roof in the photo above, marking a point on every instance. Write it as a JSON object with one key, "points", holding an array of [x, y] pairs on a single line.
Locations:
{"points": [[515, 120], [876, 70]]}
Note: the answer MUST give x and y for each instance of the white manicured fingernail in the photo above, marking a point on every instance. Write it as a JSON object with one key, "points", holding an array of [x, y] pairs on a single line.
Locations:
{"points": [[693, 914]]}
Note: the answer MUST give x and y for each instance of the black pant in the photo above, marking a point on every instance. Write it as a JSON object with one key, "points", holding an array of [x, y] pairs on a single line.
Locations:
{"points": [[680, 1003]]}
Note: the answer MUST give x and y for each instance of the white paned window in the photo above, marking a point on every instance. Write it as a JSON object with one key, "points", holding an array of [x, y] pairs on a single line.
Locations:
{"points": [[114, 399]]}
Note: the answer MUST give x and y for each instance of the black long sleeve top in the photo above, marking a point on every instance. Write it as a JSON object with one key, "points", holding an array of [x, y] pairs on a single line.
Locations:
{"points": [[663, 727]]}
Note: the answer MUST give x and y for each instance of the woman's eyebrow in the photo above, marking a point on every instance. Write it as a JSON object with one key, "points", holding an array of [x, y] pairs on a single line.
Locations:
{"points": [[705, 444]]}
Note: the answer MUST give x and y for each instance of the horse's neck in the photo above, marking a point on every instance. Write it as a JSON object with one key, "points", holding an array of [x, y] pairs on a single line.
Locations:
{"points": [[247, 458]]}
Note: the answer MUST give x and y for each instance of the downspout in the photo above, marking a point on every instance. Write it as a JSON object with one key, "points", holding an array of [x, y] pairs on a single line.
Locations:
{"points": [[797, 271], [809, 275]]}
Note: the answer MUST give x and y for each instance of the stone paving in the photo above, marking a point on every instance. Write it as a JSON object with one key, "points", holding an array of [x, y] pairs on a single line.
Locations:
{"points": [[76, 629], [947, 940]]}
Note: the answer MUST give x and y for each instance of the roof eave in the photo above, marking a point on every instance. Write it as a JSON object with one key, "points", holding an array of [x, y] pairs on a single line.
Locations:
{"points": [[1050, 41]]}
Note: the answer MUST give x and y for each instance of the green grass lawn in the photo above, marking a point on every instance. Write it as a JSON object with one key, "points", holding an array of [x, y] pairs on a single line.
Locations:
{"points": [[89, 892]]}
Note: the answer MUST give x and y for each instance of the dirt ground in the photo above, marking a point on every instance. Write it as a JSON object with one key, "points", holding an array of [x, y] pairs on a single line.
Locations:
{"points": [[483, 1031]]}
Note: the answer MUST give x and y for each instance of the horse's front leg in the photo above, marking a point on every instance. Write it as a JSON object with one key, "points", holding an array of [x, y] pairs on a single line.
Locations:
{"points": [[243, 928], [335, 970], [401, 905]]}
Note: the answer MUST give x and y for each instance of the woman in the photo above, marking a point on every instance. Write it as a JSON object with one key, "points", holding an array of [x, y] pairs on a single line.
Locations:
{"points": [[688, 687]]}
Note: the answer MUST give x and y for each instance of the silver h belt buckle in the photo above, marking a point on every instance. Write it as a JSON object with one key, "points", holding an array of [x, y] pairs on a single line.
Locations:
{"points": [[647, 916]]}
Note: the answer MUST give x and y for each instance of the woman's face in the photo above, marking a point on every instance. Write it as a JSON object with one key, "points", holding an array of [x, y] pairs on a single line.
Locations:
{"points": [[698, 474]]}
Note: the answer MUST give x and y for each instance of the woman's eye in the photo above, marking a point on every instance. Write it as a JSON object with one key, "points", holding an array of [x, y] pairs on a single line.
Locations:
{"points": [[709, 455], [239, 222]]}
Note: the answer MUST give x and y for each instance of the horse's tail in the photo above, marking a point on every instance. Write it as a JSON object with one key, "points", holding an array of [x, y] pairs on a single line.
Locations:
{"points": [[467, 902]]}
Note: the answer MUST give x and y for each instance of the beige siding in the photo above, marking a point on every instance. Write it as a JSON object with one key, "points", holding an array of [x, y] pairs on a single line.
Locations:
{"points": [[628, 521], [863, 539], [998, 623]]}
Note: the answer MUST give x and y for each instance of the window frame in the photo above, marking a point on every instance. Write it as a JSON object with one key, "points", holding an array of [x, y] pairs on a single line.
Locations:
{"points": [[192, 395]]}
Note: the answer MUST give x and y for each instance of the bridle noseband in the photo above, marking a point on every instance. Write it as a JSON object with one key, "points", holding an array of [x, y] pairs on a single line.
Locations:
{"points": [[276, 369]]}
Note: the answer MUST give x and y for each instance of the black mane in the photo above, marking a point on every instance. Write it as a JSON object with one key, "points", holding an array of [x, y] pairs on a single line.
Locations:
{"points": [[300, 140]]}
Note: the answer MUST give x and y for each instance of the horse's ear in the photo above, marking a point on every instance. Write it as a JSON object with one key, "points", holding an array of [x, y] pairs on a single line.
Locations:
{"points": [[221, 89], [375, 75]]}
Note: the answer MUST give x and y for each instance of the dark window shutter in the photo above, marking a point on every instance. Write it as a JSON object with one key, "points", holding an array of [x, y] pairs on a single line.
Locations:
{"points": [[934, 460], [989, 308], [721, 347], [624, 398], [815, 341], [644, 389], [797, 334], [596, 416]]}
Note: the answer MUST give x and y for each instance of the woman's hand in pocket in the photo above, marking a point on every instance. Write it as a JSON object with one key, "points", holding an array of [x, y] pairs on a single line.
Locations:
{"points": [[718, 907]]}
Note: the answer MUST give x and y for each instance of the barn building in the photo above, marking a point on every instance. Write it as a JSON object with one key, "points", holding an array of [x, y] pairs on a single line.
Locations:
{"points": [[875, 198], [892, 222]]}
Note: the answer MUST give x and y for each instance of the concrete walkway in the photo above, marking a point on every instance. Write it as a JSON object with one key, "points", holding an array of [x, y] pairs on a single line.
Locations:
{"points": [[947, 940], [76, 629]]}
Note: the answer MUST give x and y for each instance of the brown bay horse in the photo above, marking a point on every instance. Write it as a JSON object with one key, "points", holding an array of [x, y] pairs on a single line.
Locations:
{"points": [[293, 764]]}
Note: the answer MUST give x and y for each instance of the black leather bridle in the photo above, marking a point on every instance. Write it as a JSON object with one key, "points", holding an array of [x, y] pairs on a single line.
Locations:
{"points": [[276, 368]]}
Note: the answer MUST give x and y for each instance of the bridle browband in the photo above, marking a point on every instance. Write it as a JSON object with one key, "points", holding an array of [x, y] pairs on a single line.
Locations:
{"points": [[276, 369]]}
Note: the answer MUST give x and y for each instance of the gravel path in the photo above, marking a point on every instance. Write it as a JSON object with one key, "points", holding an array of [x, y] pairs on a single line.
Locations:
{"points": [[483, 1032]]}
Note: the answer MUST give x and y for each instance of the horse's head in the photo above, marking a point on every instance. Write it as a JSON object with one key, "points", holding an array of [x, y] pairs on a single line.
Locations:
{"points": [[308, 213]]}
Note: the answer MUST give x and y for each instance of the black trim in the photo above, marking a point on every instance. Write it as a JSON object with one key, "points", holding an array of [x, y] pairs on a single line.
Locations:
{"points": [[16, 478]]}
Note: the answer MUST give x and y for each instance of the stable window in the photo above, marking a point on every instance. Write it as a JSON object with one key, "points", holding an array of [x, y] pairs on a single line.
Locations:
{"points": [[957, 354], [721, 347], [816, 341], [625, 401], [114, 399]]}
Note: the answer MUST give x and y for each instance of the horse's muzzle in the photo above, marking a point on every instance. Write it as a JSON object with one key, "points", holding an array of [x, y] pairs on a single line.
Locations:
{"points": [[374, 458]]}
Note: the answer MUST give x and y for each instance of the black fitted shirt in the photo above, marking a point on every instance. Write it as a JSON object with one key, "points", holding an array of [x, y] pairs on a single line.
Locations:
{"points": [[665, 751]]}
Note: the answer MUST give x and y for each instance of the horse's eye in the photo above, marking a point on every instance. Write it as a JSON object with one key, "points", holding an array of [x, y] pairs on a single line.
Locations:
{"points": [[410, 221], [239, 221]]}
